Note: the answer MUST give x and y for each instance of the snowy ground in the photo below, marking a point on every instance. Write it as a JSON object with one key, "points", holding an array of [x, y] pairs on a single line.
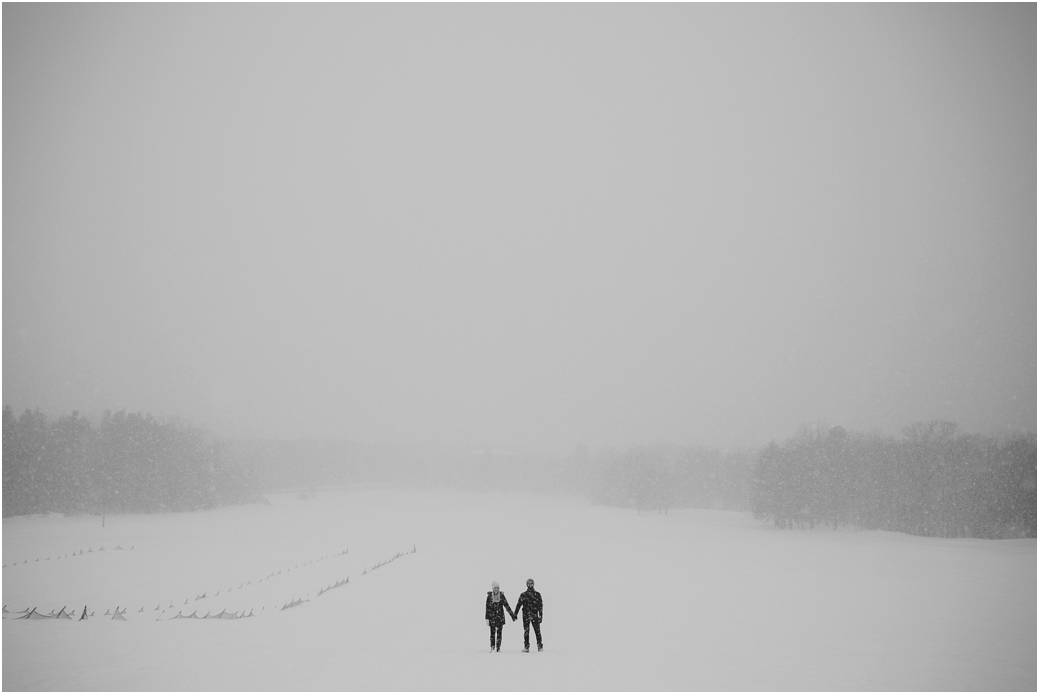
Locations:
{"points": [[694, 600]]}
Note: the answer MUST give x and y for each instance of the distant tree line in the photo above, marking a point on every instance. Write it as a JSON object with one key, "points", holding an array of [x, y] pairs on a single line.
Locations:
{"points": [[660, 477], [125, 463], [306, 464], [651, 477], [931, 481]]}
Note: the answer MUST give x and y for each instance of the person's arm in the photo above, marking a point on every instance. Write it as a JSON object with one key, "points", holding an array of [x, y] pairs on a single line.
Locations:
{"points": [[507, 608]]}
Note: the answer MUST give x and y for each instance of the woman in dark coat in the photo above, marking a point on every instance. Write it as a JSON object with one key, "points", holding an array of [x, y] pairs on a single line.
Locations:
{"points": [[497, 606]]}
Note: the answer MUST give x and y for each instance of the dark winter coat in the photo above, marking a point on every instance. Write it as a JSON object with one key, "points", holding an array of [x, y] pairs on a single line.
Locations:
{"points": [[495, 612], [530, 602]]}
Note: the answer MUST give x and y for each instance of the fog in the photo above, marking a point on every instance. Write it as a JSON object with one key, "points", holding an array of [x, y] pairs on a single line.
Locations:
{"points": [[522, 226]]}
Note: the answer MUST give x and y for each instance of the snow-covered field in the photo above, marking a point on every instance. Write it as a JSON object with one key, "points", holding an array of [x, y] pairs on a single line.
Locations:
{"points": [[692, 600]]}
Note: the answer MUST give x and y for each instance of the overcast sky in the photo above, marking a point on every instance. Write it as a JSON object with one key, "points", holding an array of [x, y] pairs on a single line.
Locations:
{"points": [[522, 225]]}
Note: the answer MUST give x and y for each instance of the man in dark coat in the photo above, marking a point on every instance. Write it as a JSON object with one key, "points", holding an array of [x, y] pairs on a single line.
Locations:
{"points": [[530, 602], [497, 606]]}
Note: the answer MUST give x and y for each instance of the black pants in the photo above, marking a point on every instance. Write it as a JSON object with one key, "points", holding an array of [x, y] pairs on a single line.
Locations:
{"points": [[496, 636], [526, 632]]}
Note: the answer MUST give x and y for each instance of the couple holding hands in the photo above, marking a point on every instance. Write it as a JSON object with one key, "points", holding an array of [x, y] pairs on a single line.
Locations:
{"points": [[529, 601]]}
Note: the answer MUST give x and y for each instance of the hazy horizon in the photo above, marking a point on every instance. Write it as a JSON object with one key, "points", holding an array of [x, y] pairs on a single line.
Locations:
{"points": [[522, 226]]}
